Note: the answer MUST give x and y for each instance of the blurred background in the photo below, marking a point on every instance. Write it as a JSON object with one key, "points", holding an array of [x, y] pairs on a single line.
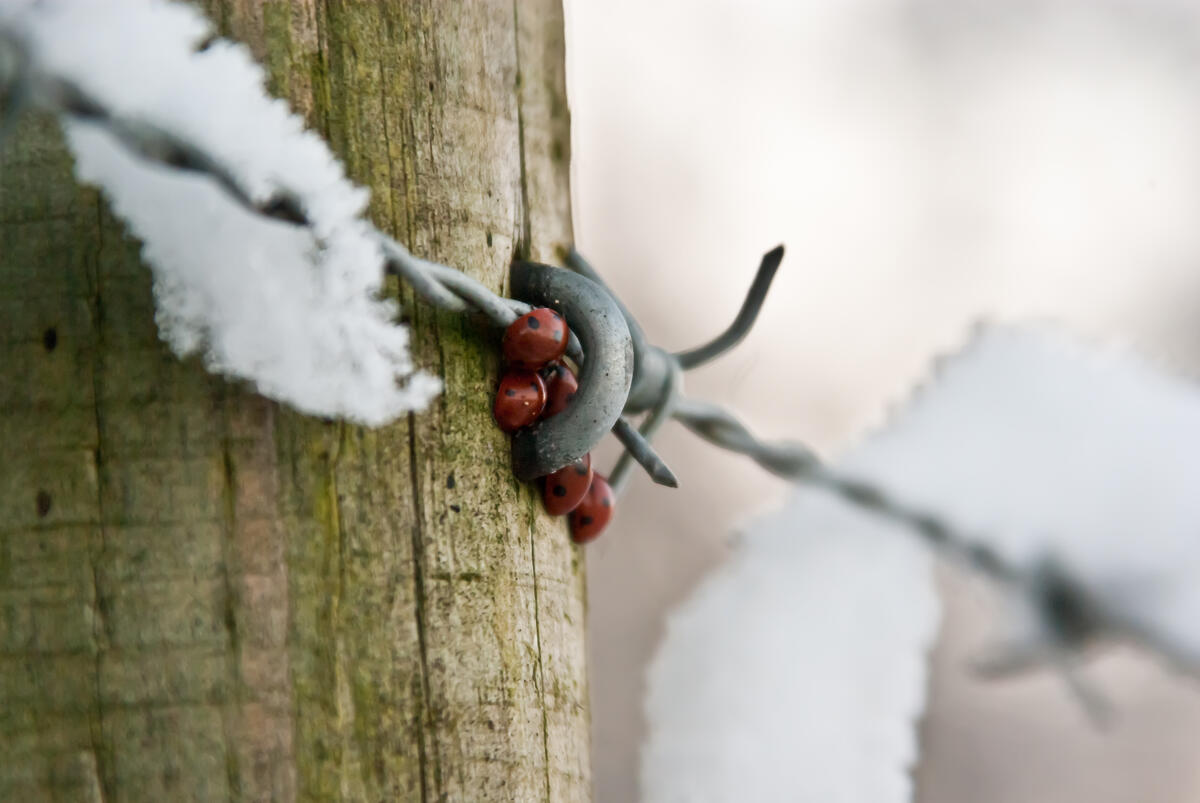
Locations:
{"points": [[928, 163]]}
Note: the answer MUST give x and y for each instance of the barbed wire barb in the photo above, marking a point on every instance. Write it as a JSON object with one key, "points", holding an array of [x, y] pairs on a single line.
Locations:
{"points": [[747, 315]]}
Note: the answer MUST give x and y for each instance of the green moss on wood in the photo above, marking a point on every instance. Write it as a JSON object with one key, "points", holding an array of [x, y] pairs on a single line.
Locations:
{"points": [[224, 599]]}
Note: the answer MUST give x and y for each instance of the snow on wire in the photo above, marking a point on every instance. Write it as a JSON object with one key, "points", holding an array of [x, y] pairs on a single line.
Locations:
{"points": [[143, 88], [796, 670]]}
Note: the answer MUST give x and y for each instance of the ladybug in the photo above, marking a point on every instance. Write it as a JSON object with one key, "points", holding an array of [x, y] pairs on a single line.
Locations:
{"points": [[536, 338], [520, 400], [561, 386], [566, 488], [592, 515]]}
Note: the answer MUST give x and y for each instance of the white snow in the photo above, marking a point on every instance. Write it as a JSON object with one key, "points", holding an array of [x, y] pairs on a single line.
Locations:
{"points": [[1045, 448], [796, 671], [296, 312]]}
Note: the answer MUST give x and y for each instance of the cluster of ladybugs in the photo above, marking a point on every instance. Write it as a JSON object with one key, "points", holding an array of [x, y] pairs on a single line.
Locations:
{"points": [[537, 385]]}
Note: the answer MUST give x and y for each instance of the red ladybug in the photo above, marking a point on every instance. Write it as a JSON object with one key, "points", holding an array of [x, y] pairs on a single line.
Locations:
{"points": [[567, 487], [561, 386], [520, 400], [592, 515], [536, 338]]}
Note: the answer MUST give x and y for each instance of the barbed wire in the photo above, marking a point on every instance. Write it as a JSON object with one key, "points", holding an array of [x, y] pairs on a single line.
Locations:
{"points": [[1070, 616]]}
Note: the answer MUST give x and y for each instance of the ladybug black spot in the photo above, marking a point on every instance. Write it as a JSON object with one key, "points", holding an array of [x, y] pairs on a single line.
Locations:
{"points": [[560, 490], [533, 385], [585, 520], [510, 392], [581, 469], [534, 323]]}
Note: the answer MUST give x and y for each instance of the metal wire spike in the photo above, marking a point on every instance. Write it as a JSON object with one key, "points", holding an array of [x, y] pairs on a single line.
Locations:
{"points": [[639, 450], [745, 319], [659, 414]]}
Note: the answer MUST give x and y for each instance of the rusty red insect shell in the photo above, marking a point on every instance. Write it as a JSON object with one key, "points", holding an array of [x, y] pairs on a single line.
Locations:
{"points": [[520, 400], [565, 489], [592, 515], [561, 387], [535, 339]]}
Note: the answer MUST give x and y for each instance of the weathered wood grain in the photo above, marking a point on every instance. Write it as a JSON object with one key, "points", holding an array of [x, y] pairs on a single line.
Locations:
{"points": [[205, 596]]}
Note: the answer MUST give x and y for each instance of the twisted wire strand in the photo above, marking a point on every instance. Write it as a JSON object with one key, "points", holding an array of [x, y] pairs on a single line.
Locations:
{"points": [[794, 461]]}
